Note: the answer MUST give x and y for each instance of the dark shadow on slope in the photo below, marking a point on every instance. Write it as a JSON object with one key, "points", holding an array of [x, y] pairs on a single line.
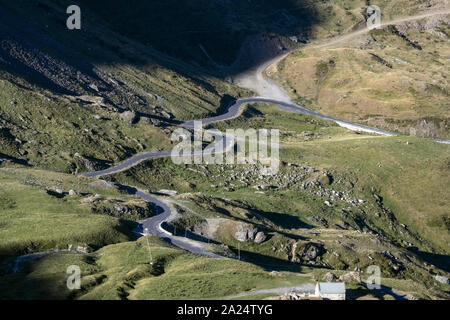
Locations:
{"points": [[268, 262], [202, 33], [4, 157], [285, 221], [441, 261], [362, 291], [262, 226], [204, 30]]}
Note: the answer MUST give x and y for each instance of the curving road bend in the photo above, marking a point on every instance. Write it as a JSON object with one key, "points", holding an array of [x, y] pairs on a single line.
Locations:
{"points": [[271, 93], [164, 213]]}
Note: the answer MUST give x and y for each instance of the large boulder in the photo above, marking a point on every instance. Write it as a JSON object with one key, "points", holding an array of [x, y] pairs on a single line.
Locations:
{"points": [[241, 234], [325, 179], [330, 277], [245, 233], [260, 237], [128, 116], [441, 279], [312, 252], [251, 233], [58, 190], [73, 192]]}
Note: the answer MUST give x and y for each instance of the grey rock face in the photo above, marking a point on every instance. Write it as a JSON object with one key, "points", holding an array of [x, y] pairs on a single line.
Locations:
{"points": [[246, 233], [351, 276], [241, 235], [441, 279], [128, 116], [312, 252], [330, 277], [260, 237]]}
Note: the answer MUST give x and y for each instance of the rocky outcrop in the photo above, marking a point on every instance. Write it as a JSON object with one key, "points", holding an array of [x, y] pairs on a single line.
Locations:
{"points": [[307, 252], [120, 209], [325, 179], [330, 277], [352, 276], [246, 233], [441, 279], [260, 237], [128, 116]]}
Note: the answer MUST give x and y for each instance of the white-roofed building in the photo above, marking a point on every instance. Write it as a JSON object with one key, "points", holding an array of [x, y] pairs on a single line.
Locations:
{"points": [[330, 290]]}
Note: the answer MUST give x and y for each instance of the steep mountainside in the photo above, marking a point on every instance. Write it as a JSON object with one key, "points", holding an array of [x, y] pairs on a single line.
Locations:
{"points": [[74, 101]]}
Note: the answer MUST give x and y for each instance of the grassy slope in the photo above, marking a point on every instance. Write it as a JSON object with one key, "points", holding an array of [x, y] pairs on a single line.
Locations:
{"points": [[47, 128], [53, 129], [378, 79], [411, 178], [43, 276], [122, 271], [409, 173], [32, 220]]}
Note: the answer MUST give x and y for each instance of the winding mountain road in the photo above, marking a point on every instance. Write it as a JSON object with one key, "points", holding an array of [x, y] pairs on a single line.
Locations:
{"points": [[164, 213], [270, 93]]}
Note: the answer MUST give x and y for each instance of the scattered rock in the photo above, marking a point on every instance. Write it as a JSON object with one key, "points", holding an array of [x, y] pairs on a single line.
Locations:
{"points": [[93, 87], [145, 120], [320, 220], [58, 190], [167, 114], [128, 116], [312, 252], [246, 233], [351, 276], [325, 180], [100, 184], [168, 192], [72, 192], [98, 101], [260, 237], [82, 249], [423, 87], [441, 279], [330, 277]]}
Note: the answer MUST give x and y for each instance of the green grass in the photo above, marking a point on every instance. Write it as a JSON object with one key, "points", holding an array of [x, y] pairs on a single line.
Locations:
{"points": [[32, 220], [60, 132], [122, 271], [409, 174], [411, 178], [45, 277], [379, 79]]}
